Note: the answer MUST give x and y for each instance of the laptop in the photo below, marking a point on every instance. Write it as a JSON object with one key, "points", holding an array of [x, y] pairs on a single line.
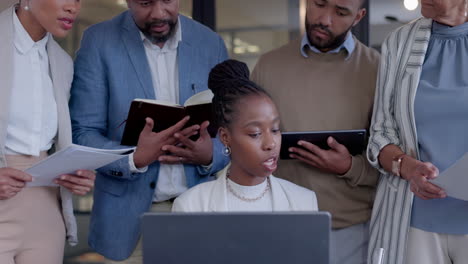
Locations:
{"points": [[236, 238]]}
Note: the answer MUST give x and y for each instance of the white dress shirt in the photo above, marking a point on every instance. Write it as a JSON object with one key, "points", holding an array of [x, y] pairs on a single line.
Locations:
{"points": [[165, 74], [33, 120]]}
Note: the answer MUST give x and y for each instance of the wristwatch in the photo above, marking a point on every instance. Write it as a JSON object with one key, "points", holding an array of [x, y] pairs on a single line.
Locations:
{"points": [[396, 164]]}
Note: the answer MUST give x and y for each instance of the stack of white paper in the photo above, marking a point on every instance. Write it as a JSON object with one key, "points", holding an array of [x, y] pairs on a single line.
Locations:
{"points": [[454, 180], [71, 159]]}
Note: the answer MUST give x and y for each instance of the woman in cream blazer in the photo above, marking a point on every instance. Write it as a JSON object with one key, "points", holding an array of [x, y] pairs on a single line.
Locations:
{"points": [[34, 222], [212, 196], [249, 129]]}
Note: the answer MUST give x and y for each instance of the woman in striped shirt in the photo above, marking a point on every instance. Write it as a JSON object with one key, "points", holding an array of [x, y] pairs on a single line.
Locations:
{"points": [[418, 129]]}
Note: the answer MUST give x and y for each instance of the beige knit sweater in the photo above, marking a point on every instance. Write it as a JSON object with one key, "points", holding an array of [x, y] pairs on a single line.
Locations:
{"points": [[325, 92]]}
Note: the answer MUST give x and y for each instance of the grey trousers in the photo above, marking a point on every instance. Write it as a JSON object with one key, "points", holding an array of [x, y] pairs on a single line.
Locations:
{"points": [[349, 245]]}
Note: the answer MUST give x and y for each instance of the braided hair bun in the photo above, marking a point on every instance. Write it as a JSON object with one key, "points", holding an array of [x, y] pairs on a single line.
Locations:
{"points": [[229, 81], [227, 75]]}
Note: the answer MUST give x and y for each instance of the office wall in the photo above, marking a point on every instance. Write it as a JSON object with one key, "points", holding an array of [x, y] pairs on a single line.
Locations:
{"points": [[7, 3]]}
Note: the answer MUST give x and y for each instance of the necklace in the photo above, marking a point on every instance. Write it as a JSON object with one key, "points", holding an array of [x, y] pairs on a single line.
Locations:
{"points": [[246, 199]]}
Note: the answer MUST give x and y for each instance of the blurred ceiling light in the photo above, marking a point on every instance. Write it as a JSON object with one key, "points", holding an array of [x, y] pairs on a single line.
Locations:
{"points": [[238, 42], [411, 4], [242, 47], [253, 49], [239, 50]]}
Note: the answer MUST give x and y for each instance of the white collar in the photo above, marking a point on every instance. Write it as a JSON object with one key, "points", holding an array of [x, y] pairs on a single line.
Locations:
{"points": [[22, 40]]}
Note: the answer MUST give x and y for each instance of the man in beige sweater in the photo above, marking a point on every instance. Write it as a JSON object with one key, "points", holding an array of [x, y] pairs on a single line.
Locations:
{"points": [[326, 81]]}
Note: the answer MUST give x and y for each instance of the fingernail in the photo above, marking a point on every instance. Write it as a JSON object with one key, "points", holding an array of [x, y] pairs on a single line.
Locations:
{"points": [[79, 173], [291, 150], [63, 177], [299, 143], [56, 181], [176, 135], [164, 148]]}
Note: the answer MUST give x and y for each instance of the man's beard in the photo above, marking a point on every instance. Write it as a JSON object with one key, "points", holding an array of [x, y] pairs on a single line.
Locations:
{"points": [[156, 38], [334, 41]]}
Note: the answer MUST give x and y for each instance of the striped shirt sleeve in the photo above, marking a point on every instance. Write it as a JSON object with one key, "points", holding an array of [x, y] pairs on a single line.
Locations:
{"points": [[384, 130]]}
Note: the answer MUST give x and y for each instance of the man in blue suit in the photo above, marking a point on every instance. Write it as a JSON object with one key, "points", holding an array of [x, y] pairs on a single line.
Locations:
{"points": [[149, 51]]}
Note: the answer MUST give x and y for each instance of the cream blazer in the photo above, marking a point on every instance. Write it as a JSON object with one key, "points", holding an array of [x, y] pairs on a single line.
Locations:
{"points": [[212, 196], [61, 71]]}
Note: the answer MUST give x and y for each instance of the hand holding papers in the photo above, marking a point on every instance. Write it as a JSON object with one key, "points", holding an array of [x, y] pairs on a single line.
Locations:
{"points": [[454, 180], [11, 182], [71, 159], [79, 183]]}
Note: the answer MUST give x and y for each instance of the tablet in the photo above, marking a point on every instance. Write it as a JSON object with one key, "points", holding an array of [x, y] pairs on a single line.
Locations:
{"points": [[354, 140]]}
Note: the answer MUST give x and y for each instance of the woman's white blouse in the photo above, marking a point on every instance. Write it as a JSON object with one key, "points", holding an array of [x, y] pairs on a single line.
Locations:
{"points": [[33, 120]]}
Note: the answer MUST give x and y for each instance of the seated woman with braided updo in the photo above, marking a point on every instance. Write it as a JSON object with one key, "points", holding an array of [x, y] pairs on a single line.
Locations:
{"points": [[249, 128]]}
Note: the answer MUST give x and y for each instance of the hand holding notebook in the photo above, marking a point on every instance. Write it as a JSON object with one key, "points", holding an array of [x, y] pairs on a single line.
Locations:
{"points": [[150, 144], [165, 115]]}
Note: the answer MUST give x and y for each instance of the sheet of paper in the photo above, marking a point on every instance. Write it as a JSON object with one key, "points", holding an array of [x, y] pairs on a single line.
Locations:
{"points": [[454, 180], [71, 159]]}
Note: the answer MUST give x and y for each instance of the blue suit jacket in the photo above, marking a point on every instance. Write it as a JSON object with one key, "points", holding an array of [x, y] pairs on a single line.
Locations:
{"points": [[111, 69]]}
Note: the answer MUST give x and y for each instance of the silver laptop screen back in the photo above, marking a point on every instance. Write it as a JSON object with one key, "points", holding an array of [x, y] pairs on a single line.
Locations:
{"points": [[246, 238]]}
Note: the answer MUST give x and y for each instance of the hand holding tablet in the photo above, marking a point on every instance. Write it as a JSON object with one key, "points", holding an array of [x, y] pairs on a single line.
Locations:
{"points": [[353, 140]]}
